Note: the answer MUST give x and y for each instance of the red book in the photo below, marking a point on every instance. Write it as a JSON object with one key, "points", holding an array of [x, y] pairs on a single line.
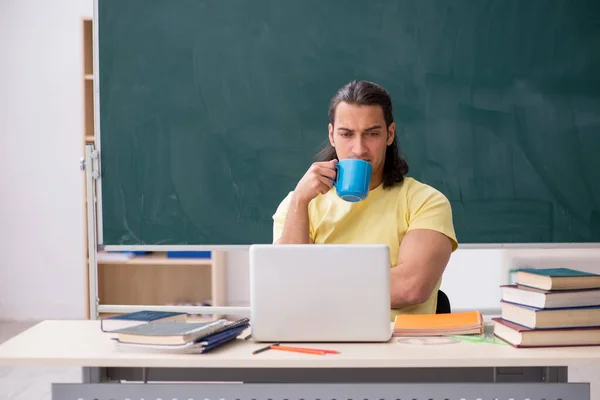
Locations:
{"points": [[521, 336]]}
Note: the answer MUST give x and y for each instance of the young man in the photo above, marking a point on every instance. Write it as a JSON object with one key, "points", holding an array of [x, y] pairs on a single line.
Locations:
{"points": [[412, 218]]}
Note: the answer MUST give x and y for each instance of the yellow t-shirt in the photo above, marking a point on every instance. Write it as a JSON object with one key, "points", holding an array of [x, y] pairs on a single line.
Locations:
{"points": [[383, 217]]}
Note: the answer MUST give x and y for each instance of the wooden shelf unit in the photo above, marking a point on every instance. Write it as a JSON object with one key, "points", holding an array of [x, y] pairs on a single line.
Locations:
{"points": [[154, 279], [153, 284], [88, 134], [151, 279], [88, 78]]}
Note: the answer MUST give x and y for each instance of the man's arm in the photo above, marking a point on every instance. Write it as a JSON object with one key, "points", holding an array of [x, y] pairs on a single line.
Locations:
{"points": [[422, 258], [296, 227]]}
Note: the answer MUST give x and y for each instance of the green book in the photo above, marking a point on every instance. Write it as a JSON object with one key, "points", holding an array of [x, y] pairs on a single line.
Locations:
{"points": [[557, 279]]}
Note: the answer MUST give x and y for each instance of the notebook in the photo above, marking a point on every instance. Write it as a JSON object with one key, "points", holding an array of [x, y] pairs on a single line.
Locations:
{"points": [[459, 323], [229, 325]]}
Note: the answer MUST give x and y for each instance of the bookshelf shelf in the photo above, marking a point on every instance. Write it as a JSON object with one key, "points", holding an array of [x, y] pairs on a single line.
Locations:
{"points": [[158, 259], [152, 279]]}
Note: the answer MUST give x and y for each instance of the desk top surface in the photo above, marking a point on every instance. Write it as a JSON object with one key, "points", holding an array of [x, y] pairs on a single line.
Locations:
{"points": [[82, 343]]}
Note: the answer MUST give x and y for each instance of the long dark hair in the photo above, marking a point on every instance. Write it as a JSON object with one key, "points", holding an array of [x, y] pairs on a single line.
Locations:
{"points": [[368, 93]]}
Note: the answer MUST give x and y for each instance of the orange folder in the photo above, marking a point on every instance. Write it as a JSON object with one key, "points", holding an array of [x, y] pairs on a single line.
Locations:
{"points": [[459, 323]]}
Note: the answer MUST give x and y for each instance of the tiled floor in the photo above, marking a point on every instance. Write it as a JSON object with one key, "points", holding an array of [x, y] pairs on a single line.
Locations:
{"points": [[30, 383]]}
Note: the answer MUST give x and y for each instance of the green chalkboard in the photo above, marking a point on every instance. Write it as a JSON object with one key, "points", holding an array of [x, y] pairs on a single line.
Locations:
{"points": [[211, 110]]}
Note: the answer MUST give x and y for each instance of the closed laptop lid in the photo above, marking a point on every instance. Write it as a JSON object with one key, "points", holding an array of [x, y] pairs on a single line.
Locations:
{"points": [[320, 292]]}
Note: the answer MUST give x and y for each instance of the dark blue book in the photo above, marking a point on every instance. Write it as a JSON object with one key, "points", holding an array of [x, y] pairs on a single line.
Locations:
{"points": [[212, 342]]}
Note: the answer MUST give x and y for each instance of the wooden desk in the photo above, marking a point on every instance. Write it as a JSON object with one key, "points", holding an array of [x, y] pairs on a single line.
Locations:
{"points": [[372, 366]]}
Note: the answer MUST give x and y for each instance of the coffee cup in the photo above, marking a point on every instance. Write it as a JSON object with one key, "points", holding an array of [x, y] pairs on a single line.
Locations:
{"points": [[353, 179]]}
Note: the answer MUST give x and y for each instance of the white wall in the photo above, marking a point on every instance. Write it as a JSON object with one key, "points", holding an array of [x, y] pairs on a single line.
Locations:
{"points": [[41, 141], [472, 278]]}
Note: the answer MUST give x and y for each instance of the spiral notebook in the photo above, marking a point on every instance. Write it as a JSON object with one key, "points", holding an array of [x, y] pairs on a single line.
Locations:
{"points": [[229, 325]]}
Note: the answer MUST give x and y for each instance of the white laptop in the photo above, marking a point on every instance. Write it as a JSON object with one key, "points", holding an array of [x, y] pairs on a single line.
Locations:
{"points": [[320, 293]]}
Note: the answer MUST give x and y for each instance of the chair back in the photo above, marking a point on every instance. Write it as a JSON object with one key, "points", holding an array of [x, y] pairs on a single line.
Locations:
{"points": [[443, 304]]}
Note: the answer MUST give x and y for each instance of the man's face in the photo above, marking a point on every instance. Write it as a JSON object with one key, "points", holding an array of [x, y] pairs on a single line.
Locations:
{"points": [[360, 132]]}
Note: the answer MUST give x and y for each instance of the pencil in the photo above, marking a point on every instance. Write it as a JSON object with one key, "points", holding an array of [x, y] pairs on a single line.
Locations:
{"points": [[305, 348], [299, 350], [264, 348]]}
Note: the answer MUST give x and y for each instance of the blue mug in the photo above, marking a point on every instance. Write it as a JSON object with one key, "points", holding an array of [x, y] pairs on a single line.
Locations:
{"points": [[353, 179]]}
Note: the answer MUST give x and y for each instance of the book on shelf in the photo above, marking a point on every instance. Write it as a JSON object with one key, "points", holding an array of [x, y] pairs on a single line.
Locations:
{"points": [[458, 323], [114, 256], [521, 336], [557, 279], [127, 320], [540, 298]]}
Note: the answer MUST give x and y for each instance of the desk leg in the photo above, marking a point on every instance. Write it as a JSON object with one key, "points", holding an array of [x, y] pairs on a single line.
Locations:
{"points": [[93, 375], [531, 374]]}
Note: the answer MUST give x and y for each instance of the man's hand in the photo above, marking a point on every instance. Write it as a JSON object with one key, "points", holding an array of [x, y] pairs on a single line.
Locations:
{"points": [[317, 180]]}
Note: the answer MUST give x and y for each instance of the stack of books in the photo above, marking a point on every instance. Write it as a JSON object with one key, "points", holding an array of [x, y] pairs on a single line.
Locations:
{"points": [[179, 337], [549, 308]]}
